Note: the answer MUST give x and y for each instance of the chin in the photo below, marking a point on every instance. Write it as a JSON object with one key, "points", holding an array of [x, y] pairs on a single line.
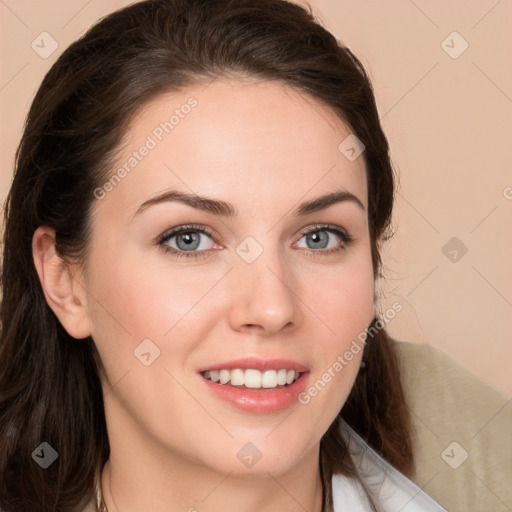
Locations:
{"points": [[261, 469], [255, 459]]}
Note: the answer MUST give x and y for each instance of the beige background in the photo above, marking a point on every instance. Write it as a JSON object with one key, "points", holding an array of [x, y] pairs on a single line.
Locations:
{"points": [[448, 117]]}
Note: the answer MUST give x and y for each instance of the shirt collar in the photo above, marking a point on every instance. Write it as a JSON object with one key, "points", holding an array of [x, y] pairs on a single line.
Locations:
{"points": [[390, 489]]}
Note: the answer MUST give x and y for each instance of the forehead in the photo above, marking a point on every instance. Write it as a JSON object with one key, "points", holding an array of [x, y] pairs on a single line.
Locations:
{"points": [[260, 143]]}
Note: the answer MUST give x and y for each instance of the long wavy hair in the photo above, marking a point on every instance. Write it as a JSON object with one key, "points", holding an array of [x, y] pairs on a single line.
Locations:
{"points": [[49, 383]]}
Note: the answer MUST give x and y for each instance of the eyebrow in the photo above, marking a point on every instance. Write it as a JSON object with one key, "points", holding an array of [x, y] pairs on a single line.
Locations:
{"points": [[224, 209]]}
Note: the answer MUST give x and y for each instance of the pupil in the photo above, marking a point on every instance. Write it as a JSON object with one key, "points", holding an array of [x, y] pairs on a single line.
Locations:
{"points": [[188, 239], [317, 237]]}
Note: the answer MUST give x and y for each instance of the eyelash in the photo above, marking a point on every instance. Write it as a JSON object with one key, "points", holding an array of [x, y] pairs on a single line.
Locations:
{"points": [[345, 237]]}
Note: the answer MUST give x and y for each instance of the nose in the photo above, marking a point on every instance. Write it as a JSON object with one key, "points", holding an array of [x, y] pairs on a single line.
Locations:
{"points": [[265, 297]]}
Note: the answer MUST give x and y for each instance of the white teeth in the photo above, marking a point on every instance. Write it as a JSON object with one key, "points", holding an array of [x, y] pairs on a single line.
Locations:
{"points": [[253, 378], [224, 376], [237, 378], [281, 377], [269, 379]]}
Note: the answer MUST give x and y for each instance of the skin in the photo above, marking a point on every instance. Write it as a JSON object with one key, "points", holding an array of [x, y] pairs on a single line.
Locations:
{"points": [[263, 147]]}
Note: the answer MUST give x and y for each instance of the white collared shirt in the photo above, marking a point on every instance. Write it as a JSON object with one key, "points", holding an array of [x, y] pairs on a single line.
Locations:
{"points": [[391, 490]]}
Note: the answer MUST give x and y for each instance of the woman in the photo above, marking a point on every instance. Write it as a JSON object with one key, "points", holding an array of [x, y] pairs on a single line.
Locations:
{"points": [[191, 245]]}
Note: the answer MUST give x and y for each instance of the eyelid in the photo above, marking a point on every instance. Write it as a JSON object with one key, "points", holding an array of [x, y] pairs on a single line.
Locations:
{"points": [[186, 227], [326, 227]]}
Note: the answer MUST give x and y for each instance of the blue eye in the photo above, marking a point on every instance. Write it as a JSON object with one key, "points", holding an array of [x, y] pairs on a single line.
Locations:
{"points": [[188, 240], [321, 234]]}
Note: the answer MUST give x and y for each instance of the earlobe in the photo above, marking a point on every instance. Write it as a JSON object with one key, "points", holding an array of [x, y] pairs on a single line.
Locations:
{"points": [[65, 296]]}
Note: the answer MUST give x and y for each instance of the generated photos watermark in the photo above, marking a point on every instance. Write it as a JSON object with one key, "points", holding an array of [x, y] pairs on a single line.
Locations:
{"points": [[156, 136], [344, 359]]}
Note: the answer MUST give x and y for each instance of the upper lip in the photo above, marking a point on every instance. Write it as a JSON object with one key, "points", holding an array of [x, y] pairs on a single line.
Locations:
{"points": [[256, 363]]}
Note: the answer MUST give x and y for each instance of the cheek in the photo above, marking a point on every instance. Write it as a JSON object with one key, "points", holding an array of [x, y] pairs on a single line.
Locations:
{"points": [[348, 298], [138, 298], [343, 299]]}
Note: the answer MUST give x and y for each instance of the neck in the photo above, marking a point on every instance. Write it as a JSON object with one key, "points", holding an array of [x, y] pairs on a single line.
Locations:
{"points": [[142, 474], [132, 487]]}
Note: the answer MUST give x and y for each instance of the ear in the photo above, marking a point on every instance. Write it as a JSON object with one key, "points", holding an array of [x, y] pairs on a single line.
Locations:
{"points": [[64, 294]]}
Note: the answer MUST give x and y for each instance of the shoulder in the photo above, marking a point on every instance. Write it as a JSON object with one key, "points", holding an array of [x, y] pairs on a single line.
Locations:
{"points": [[462, 427], [438, 388]]}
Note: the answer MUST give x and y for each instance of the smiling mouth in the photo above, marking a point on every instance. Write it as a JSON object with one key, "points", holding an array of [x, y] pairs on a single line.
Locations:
{"points": [[253, 379]]}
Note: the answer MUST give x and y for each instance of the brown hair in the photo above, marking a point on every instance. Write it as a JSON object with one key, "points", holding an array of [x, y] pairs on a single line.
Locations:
{"points": [[49, 384]]}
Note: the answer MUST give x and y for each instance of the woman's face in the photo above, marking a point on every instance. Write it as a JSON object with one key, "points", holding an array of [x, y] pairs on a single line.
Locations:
{"points": [[252, 293]]}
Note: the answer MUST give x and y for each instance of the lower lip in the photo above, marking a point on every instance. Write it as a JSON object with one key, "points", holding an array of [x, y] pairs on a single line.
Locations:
{"points": [[259, 401]]}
